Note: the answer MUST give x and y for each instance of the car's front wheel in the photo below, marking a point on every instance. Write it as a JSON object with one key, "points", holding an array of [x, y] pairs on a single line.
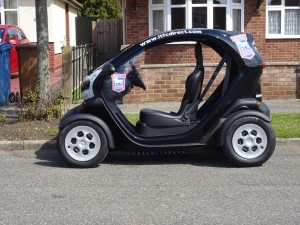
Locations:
{"points": [[249, 141], [83, 144]]}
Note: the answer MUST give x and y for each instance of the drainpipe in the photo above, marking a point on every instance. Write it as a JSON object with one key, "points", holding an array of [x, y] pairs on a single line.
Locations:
{"points": [[123, 20]]}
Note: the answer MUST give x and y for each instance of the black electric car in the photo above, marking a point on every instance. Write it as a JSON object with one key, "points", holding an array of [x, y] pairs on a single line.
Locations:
{"points": [[233, 117]]}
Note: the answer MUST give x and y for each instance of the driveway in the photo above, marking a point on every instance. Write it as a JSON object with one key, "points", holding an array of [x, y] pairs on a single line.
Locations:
{"points": [[37, 188]]}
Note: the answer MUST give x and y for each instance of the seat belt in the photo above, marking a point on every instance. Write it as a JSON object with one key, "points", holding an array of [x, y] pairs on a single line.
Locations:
{"points": [[213, 77], [227, 75]]}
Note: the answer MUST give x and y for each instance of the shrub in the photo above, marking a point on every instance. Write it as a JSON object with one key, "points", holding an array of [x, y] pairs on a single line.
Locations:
{"points": [[3, 117], [30, 110]]}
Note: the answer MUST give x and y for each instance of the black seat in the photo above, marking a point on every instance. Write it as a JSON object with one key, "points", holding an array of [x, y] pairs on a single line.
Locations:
{"points": [[188, 109]]}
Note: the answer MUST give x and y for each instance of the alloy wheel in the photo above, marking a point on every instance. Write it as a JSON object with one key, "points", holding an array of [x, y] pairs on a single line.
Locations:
{"points": [[249, 141], [82, 143]]}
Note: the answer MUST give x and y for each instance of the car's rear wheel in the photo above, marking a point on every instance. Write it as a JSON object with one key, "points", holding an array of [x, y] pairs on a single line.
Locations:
{"points": [[249, 141], [83, 144]]}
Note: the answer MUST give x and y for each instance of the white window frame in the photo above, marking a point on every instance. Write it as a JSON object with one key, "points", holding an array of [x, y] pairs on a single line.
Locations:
{"points": [[282, 9], [166, 7], [153, 8], [3, 10]]}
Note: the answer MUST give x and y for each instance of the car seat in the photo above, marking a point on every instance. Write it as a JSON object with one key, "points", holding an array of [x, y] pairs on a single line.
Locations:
{"points": [[188, 109]]}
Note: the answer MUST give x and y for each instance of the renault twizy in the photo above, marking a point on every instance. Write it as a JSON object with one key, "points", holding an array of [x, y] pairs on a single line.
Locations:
{"points": [[232, 118]]}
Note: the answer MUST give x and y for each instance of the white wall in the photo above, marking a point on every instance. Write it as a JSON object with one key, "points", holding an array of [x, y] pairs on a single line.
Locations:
{"points": [[27, 18], [72, 17], [56, 22], [58, 25]]}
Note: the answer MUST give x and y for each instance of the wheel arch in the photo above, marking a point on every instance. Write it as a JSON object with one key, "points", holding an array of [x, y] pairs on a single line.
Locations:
{"points": [[92, 118], [236, 116]]}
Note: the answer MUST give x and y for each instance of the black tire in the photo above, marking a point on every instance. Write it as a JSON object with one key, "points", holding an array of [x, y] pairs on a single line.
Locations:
{"points": [[249, 141], [82, 144]]}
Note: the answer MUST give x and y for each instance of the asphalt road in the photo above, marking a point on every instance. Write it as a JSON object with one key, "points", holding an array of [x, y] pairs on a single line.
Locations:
{"points": [[38, 188]]}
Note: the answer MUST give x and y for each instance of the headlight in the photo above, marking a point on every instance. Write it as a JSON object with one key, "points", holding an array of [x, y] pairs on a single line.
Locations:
{"points": [[85, 85]]}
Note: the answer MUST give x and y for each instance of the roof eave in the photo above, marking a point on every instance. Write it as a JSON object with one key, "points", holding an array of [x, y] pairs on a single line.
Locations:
{"points": [[74, 3]]}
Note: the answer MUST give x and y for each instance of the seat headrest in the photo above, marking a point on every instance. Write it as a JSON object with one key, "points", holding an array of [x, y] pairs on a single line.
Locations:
{"points": [[197, 50]]}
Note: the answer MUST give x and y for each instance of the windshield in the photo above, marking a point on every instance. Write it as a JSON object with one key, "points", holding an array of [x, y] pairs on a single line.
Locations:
{"points": [[1, 34]]}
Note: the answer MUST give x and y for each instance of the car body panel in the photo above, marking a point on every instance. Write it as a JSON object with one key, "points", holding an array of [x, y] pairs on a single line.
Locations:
{"points": [[245, 76], [15, 36]]}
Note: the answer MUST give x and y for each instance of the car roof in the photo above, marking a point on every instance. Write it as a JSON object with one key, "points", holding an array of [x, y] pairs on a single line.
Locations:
{"points": [[8, 25], [221, 41]]}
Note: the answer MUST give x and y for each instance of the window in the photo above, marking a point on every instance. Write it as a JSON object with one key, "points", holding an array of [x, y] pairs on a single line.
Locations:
{"points": [[1, 34], [10, 35], [283, 19], [20, 34], [177, 14], [9, 12]]}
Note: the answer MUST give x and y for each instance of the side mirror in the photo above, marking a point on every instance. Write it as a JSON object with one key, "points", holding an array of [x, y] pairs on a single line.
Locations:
{"points": [[107, 70]]}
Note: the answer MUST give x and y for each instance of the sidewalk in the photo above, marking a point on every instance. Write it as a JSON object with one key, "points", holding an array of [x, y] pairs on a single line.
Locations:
{"points": [[276, 106], [15, 82]]}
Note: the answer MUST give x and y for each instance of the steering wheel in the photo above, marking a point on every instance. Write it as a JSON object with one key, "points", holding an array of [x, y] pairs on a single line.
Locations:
{"points": [[138, 79]]}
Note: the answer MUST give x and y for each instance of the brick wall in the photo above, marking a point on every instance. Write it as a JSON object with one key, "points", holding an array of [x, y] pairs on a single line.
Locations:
{"points": [[167, 82], [298, 82], [137, 23], [272, 50], [55, 63], [51, 56], [164, 84], [282, 56], [280, 79]]}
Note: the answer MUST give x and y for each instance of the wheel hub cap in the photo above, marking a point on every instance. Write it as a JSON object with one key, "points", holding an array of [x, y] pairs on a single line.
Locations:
{"points": [[249, 141], [82, 143]]}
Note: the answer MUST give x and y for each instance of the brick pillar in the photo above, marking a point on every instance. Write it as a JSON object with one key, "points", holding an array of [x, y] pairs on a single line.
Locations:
{"points": [[298, 82], [67, 24], [51, 57]]}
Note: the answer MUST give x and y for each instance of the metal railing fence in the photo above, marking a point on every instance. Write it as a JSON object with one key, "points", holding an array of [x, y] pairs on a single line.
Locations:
{"points": [[83, 60]]}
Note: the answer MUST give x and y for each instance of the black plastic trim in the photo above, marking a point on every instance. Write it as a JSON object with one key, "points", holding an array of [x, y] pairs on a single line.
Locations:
{"points": [[98, 121], [242, 104], [236, 116]]}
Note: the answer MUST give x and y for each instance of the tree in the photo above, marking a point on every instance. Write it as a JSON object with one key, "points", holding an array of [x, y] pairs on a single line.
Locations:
{"points": [[104, 9], [42, 52]]}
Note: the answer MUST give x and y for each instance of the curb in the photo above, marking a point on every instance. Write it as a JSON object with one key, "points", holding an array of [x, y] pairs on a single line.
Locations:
{"points": [[27, 145], [52, 144], [287, 141]]}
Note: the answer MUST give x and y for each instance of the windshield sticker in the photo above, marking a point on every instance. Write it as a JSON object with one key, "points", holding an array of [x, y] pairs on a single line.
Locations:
{"points": [[243, 46], [118, 82], [168, 34]]}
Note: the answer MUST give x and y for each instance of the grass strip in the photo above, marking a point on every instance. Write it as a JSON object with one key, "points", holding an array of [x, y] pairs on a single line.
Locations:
{"points": [[286, 125], [132, 117]]}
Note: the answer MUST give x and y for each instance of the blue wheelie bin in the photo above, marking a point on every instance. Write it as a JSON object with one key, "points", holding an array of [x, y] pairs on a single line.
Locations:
{"points": [[4, 72]]}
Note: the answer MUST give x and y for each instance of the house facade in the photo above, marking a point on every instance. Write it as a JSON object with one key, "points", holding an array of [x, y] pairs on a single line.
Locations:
{"points": [[275, 25], [61, 24]]}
